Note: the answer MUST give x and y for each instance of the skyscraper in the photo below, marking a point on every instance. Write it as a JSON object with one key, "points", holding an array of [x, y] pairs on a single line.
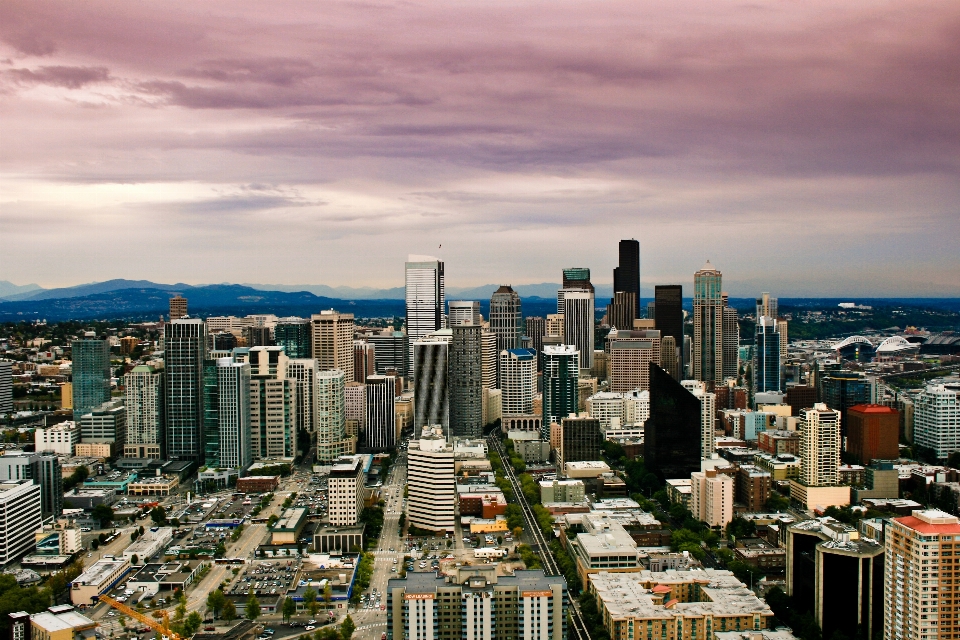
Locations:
{"points": [[573, 278], [234, 413], [536, 328], [631, 353], [424, 296], [391, 352], [333, 341], [820, 447], [364, 360], [331, 412], [432, 482], [936, 417], [465, 380], [670, 357], [178, 307], [767, 369], [303, 373], [143, 396], [708, 412], [621, 312], [273, 404], [185, 342], [91, 374], [669, 316], [578, 321], [707, 325], [561, 384], [431, 396], [731, 341], [518, 381], [6, 387], [673, 432], [211, 414], [463, 312], [766, 306], [488, 358], [505, 317], [381, 432], [626, 277], [295, 335]]}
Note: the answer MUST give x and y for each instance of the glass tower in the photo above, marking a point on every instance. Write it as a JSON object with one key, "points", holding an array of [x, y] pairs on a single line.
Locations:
{"points": [[91, 374], [561, 379], [295, 336]]}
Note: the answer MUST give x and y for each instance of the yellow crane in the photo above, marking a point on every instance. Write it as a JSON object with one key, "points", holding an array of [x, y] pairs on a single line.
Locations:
{"points": [[161, 628]]}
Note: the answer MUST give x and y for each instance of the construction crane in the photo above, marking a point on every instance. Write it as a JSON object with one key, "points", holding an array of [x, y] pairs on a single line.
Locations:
{"points": [[161, 628]]}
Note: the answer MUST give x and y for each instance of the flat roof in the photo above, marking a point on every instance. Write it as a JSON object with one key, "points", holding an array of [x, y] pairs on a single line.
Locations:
{"points": [[290, 520], [99, 571]]}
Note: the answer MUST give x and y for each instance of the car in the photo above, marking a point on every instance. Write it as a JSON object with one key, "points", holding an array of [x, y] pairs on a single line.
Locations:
{"points": [[309, 627], [209, 628], [89, 555], [311, 622], [112, 614], [383, 607]]}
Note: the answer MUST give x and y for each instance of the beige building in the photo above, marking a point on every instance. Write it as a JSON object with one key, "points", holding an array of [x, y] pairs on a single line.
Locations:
{"points": [[711, 497], [97, 580], [64, 625], [346, 490], [631, 353], [819, 482], [153, 486], [333, 341], [178, 307], [93, 450], [60, 438]]}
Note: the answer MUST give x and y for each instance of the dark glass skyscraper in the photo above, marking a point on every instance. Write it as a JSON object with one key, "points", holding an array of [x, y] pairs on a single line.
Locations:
{"points": [[465, 382], [672, 433], [626, 277], [294, 335], [668, 302], [185, 342], [91, 374]]}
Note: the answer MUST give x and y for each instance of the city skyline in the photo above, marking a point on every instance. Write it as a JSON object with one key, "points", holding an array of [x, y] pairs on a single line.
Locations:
{"points": [[755, 137]]}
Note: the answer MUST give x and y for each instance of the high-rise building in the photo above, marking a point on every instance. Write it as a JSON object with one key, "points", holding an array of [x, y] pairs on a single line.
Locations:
{"points": [[631, 353], [820, 447], [463, 312], [331, 412], [431, 396], [6, 386], [423, 276], [673, 434], [333, 341], [178, 307], [346, 491], [936, 418], [873, 433], [766, 306], [536, 328], [44, 469], [465, 381], [711, 497], [234, 413], [381, 428], [477, 604], [273, 404], [106, 424], [844, 389], [708, 325], [143, 396], [364, 360], [708, 413], [391, 352], [731, 341], [626, 276], [295, 335], [767, 366], [621, 310], [920, 587], [579, 439], [303, 374], [91, 373], [670, 356], [669, 317], [184, 352], [60, 438], [488, 358], [652, 310], [355, 403], [561, 388], [20, 518], [505, 318], [578, 323], [518, 381], [258, 336], [431, 481], [211, 414]]}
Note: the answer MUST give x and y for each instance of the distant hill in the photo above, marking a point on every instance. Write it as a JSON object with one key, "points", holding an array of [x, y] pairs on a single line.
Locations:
{"points": [[82, 290], [8, 289]]}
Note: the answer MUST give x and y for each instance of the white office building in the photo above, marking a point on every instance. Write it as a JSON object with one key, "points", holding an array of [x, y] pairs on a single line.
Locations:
{"points": [[303, 373], [233, 386], [345, 489], [431, 481], [423, 286], [578, 321], [60, 438], [19, 518], [936, 419], [462, 312], [518, 381]]}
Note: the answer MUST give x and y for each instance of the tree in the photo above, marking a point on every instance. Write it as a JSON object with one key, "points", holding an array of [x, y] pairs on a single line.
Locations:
{"points": [[310, 600], [181, 611], [252, 610], [103, 513], [517, 532], [289, 609], [327, 594], [94, 544], [193, 622], [229, 611], [216, 601], [159, 516], [347, 628], [135, 559]]}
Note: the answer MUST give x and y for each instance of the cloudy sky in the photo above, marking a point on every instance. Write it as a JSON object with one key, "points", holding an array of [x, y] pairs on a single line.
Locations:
{"points": [[805, 147]]}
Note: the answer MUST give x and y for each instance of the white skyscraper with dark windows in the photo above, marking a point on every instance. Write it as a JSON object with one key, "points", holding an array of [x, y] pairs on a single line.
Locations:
{"points": [[381, 427], [578, 320], [423, 284], [234, 413], [518, 381]]}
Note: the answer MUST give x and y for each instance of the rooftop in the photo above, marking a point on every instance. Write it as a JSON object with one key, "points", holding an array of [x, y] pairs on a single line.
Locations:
{"points": [[99, 571]]}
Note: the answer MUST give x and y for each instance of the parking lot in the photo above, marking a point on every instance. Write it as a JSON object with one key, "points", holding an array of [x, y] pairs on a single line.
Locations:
{"points": [[266, 578]]}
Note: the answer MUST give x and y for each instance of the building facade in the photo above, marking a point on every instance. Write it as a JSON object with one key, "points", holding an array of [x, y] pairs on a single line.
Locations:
{"points": [[333, 341], [767, 367], [578, 323], [708, 325], [631, 353], [144, 398], [184, 353], [233, 414], [936, 416], [295, 336], [431, 482], [561, 376], [90, 373], [331, 412], [518, 381], [424, 293], [465, 381], [463, 312], [431, 395], [673, 434], [381, 427], [711, 497], [346, 491], [505, 317]]}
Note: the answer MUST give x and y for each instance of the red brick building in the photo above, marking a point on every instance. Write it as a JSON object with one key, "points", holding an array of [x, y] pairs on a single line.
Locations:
{"points": [[873, 432], [258, 484], [776, 442]]}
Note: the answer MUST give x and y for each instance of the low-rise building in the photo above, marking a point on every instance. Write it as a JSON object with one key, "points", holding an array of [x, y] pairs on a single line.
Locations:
{"points": [[60, 438], [679, 490], [777, 441], [258, 484], [339, 540], [150, 544], [604, 546], [561, 491], [781, 467], [753, 487], [153, 486], [288, 528], [59, 622], [585, 469], [97, 580]]}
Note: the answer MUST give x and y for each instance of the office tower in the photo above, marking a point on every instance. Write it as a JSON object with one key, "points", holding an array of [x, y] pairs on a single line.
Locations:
{"points": [[465, 381], [222, 341], [708, 412], [711, 497], [355, 406], [474, 603], [707, 325], [295, 335], [184, 353], [431, 395], [211, 414], [391, 352], [331, 412], [303, 373], [873, 433], [820, 447], [626, 276], [6, 386], [577, 278], [767, 366], [20, 518], [536, 328], [844, 389], [920, 588], [258, 336], [431, 481], [652, 310], [44, 470], [233, 384], [346, 491], [782, 330], [673, 433], [91, 373], [488, 346], [364, 360], [580, 439], [936, 414], [669, 304], [766, 306], [381, 432], [621, 310], [423, 284], [273, 404], [463, 312], [561, 377], [554, 325], [753, 487], [143, 397], [670, 357], [518, 381], [578, 323], [505, 317], [731, 341], [631, 353], [178, 307], [106, 424], [333, 341]]}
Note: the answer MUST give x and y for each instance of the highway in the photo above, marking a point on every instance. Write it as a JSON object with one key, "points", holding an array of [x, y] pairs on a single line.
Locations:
{"points": [[577, 628]]}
